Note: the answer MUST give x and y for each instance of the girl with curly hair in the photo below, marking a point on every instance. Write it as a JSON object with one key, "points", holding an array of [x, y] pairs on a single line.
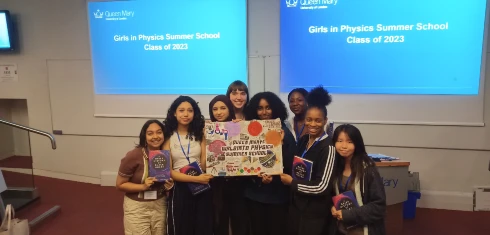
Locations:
{"points": [[188, 214], [267, 197]]}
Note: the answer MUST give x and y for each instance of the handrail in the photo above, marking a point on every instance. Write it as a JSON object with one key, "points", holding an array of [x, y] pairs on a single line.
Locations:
{"points": [[49, 135]]}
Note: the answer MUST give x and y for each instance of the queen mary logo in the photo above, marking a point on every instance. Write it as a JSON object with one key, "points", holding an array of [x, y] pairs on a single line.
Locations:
{"points": [[291, 3]]}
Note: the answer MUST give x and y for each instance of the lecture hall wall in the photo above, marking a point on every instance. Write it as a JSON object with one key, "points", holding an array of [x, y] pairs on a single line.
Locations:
{"points": [[55, 79]]}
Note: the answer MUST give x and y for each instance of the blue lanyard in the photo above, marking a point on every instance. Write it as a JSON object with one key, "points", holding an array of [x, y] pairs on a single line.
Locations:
{"points": [[188, 148], [346, 184], [316, 142], [298, 134]]}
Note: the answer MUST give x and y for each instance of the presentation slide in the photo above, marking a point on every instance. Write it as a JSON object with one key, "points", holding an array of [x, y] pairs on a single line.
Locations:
{"points": [[4, 34], [168, 47], [383, 46]]}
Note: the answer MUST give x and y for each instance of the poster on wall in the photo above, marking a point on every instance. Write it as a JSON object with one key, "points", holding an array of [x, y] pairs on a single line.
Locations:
{"points": [[244, 148], [8, 72]]}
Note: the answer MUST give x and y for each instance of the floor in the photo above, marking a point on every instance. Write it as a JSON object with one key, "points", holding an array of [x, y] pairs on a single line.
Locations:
{"points": [[88, 209], [92, 209], [85, 208], [21, 164]]}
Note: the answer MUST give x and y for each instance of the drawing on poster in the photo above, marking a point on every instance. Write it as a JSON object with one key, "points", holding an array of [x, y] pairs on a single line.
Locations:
{"points": [[244, 148]]}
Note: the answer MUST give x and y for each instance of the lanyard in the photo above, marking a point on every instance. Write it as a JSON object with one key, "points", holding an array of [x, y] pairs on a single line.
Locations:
{"points": [[346, 183], [316, 142], [188, 148], [298, 134]]}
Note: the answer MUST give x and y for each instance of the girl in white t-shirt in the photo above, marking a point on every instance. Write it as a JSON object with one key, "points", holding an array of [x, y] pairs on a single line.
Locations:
{"points": [[188, 214]]}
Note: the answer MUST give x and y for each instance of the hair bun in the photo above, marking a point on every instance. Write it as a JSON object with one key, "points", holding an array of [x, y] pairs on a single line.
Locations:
{"points": [[319, 97]]}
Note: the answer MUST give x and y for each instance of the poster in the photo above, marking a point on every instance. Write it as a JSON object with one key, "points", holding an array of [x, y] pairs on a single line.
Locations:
{"points": [[8, 73], [244, 148]]}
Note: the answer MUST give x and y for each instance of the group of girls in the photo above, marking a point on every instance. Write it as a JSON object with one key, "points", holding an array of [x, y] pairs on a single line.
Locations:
{"points": [[253, 205]]}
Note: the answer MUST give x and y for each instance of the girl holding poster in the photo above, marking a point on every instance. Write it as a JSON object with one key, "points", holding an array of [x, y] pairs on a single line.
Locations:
{"points": [[314, 162], [190, 208], [228, 200], [145, 202], [357, 183], [268, 198], [238, 94]]}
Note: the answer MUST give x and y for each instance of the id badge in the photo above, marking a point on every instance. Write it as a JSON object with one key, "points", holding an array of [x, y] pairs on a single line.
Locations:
{"points": [[150, 195]]}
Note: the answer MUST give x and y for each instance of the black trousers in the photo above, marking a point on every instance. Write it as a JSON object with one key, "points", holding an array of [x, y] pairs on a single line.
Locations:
{"points": [[303, 222], [189, 214], [268, 219], [230, 207]]}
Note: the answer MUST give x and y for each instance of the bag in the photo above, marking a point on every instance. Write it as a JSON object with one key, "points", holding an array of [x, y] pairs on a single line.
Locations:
{"points": [[11, 225]]}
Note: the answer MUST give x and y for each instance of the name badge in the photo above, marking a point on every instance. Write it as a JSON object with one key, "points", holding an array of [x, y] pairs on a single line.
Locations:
{"points": [[150, 195]]}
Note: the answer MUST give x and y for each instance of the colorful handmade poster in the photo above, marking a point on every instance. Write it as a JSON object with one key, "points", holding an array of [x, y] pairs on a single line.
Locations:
{"points": [[244, 148]]}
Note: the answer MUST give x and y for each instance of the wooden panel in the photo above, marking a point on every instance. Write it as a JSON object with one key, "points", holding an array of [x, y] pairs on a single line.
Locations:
{"points": [[392, 163], [394, 219]]}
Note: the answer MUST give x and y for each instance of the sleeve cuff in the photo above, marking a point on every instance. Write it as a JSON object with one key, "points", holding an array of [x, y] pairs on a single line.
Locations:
{"points": [[348, 216], [124, 175], [294, 185]]}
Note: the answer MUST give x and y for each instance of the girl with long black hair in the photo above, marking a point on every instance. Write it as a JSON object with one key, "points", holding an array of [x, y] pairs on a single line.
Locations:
{"points": [[358, 173], [188, 214], [312, 198]]}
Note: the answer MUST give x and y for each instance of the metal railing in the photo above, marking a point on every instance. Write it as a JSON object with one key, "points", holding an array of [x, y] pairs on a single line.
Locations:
{"points": [[54, 209], [49, 135]]}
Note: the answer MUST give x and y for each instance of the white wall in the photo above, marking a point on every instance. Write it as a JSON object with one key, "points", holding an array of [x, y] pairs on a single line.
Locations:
{"points": [[7, 148], [54, 35], [18, 110], [14, 141]]}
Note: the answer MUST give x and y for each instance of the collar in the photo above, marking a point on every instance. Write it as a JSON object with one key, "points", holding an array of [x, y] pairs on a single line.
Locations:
{"points": [[319, 138]]}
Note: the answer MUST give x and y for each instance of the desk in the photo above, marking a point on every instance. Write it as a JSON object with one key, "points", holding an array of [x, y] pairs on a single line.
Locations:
{"points": [[395, 179]]}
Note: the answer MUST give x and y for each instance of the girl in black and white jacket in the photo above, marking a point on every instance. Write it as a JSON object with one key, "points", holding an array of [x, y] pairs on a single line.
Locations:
{"points": [[311, 197], [357, 172]]}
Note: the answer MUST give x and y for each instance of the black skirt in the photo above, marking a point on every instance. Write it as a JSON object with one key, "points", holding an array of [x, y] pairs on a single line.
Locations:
{"points": [[189, 214]]}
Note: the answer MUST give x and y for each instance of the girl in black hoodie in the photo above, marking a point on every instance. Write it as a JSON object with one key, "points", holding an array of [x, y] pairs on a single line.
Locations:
{"points": [[357, 172]]}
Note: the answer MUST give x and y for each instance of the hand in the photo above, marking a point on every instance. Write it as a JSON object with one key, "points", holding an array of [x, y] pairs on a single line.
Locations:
{"points": [[338, 214], [286, 179], [236, 120], [169, 184], [333, 210], [204, 178], [266, 179], [148, 183]]}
